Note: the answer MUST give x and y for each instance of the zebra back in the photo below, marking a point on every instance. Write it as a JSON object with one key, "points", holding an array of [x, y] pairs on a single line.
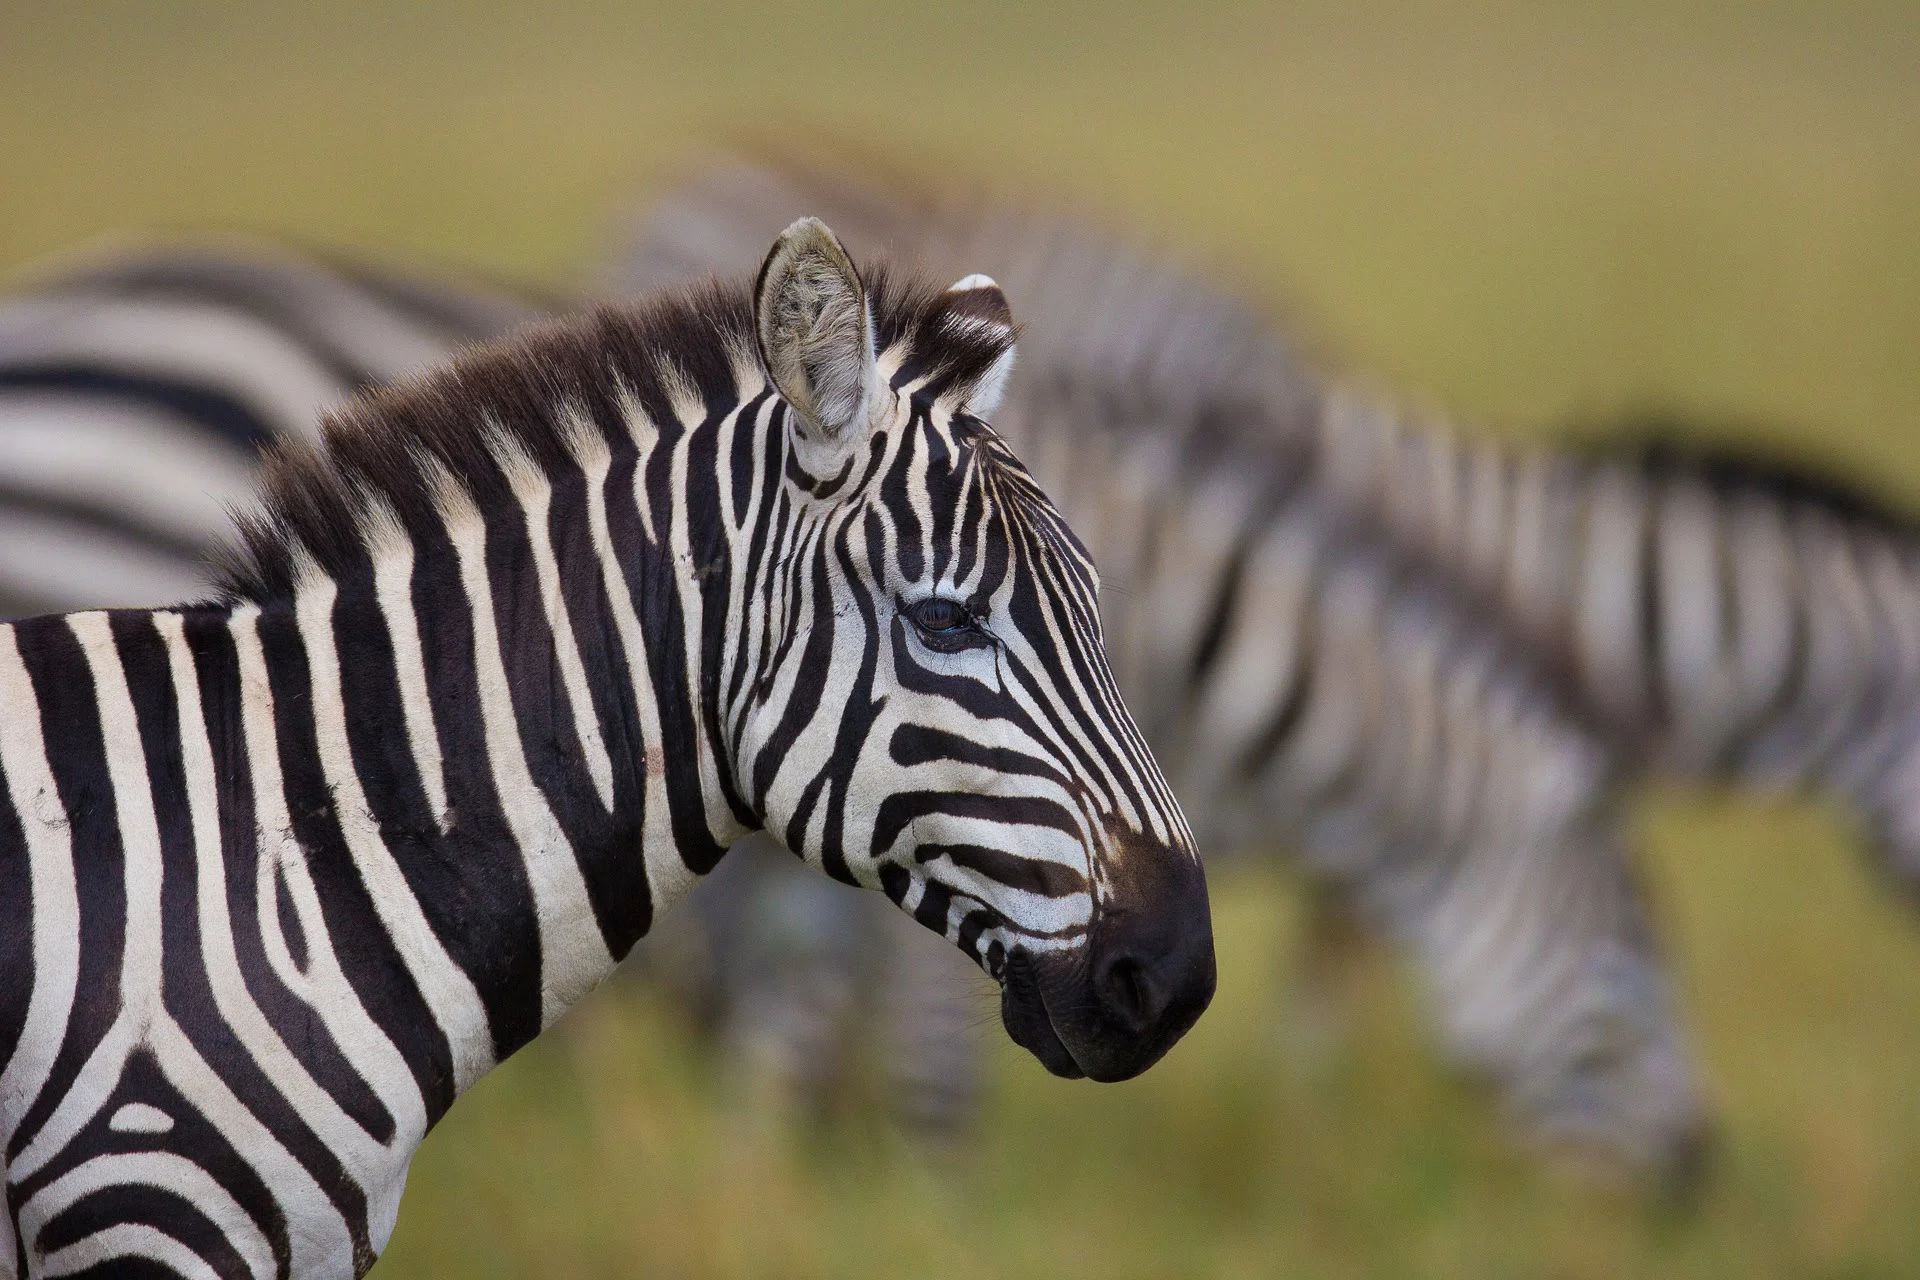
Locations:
{"points": [[138, 383], [1724, 615]]}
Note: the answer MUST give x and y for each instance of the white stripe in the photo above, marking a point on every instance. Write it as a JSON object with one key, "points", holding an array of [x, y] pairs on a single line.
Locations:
{"points": [[573, 954], [224, 349], [143, 1018], [161, 469], [535, 493], [318, 1235], [141, 957], [63, 563], [138, 1117], [448, 991], [140, 952], [645, 437], [392, 553], [1607, 614]]}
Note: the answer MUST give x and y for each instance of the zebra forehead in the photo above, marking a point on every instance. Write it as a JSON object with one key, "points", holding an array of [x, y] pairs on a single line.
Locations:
{"points": [[680, 359], [989, 476]]}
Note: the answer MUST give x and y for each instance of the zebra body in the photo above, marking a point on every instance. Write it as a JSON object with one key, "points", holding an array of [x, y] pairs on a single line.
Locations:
{"points": [[1723, 618], [492, 681], [139, 383]]}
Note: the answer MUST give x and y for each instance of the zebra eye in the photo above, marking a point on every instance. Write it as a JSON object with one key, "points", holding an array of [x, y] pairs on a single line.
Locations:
{"points": [[944, 624], [938, 614]]}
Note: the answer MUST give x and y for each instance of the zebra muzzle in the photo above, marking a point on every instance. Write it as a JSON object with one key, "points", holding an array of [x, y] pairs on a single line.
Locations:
{"points": [[1112, 1008]]}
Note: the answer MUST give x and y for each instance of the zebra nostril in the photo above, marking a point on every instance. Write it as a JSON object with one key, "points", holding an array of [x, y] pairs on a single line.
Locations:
{"points": [[1127, 991]]}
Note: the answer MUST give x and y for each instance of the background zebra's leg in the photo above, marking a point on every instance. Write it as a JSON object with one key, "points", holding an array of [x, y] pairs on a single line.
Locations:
{"points": [[767, 961], [1329, 955], [931, 1009], [815, 995]]}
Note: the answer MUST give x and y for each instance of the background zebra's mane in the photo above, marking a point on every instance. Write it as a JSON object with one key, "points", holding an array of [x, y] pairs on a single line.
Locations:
{"points": [[384, 450], [1665, 448]]}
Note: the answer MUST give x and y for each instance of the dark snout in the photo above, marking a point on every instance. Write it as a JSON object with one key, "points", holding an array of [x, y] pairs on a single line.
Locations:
{"points": [[1110, 1009]]}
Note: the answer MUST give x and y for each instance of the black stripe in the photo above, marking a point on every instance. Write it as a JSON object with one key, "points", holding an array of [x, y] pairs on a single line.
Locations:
{"points": [[898, 811], [915, 744], [361, 944], [467, 317], [185, 988], [16, 926], [1220, 615], [621, 895], [548, 734], [1652, 612], [931, 910], [240, 287], [1029, 875], [495, 901], [1287, 715], [219, 413], [70, 724], [192, 1137], [100, 515]]}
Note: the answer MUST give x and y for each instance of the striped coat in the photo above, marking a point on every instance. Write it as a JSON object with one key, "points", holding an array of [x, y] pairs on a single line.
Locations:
{"points": [[489, 683]]}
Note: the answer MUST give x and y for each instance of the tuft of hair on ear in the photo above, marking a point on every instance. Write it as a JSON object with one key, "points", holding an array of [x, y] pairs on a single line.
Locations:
{"points": [[973, 313], [814, 328]]}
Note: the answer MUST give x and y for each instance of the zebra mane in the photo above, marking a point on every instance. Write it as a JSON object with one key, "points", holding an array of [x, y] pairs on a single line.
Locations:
{"points": [[1665, 447], [388, 454]]}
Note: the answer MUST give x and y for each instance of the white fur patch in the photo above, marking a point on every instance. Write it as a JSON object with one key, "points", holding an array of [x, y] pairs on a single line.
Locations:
{"points": [[138, 1117]]}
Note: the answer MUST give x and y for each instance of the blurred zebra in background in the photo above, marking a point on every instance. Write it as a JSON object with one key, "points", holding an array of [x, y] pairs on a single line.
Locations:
{"points": [[1695, 615], [1308, 681], [138, 383]]}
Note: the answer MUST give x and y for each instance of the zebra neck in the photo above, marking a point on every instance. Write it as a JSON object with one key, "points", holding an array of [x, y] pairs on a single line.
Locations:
{"points": [[471, 773], [493, 713]]}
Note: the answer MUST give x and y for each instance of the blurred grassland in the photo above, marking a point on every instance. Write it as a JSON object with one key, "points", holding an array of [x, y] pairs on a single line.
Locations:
{"points": [[1527, 214]]}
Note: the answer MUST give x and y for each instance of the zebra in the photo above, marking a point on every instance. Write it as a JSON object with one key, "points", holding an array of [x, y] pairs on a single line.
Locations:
{"points": [[1308, 676], [140, 380], [488, 682]]}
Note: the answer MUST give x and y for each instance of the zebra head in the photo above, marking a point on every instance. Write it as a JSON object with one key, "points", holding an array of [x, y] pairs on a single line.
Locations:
{"points": [[929, 709]]}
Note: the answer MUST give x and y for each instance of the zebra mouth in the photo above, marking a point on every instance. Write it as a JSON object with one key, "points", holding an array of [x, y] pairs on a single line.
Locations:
{"points": [[1023, 1010]]}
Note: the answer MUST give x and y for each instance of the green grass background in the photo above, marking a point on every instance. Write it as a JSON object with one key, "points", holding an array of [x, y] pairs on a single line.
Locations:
{"points": [[1527, 214]]}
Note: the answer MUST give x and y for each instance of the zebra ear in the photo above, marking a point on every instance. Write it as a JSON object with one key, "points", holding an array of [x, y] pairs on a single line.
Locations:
{"points": [[977, 307], [815, 331]]}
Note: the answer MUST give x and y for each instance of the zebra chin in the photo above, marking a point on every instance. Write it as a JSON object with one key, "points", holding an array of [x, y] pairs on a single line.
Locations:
{"points": [[1111, 1008]]}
